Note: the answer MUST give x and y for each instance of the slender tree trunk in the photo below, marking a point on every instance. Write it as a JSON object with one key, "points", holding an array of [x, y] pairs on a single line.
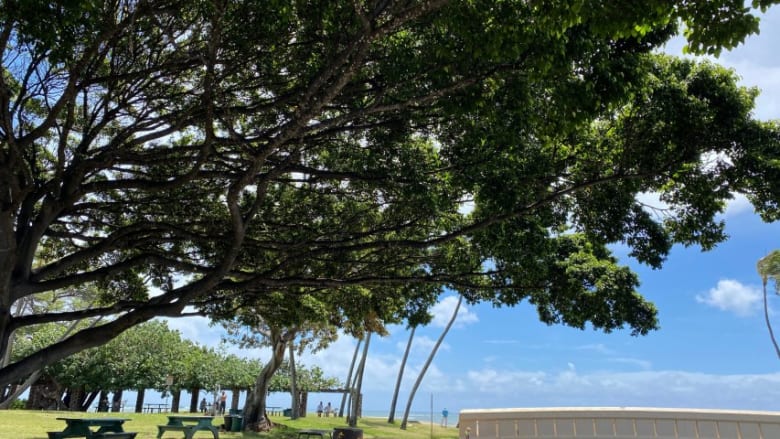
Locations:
{"points": [[356, 400], [18, 390], [391, 416], [293, 383], [769, 323], [428, 363], [255, 408], [348, 382]]}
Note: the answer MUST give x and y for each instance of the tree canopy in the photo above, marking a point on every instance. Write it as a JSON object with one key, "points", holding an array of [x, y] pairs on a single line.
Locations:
{"points": [[177, 153]]}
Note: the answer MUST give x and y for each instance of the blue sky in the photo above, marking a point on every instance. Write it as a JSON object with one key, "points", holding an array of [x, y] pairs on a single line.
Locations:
{"points": [[712, 350]]}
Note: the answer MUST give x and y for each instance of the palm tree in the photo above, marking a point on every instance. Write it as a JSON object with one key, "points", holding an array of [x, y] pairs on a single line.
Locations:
{"points": [[356, 400], [391, 417], [348, 383], [769, 268], [428, 363]]}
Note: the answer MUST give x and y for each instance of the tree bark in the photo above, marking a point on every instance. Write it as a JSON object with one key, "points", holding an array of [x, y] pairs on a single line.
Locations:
{"points": [[293, 383], [255, 407], [175, 399], [356, 399], [116, 402], [391, 416], [235, 396], [348, 382], [195, 392], [139, 401], [428, 363]]}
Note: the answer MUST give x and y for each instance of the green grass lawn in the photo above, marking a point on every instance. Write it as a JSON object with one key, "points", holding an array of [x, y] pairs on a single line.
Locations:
{"points": [[28, 424]]}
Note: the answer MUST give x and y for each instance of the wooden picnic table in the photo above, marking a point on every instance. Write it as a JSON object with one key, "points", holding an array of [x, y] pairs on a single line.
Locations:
{"points": [[82, 427], [189, 425]]}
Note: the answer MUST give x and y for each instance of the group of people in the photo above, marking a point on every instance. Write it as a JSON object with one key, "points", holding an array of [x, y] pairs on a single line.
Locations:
{"points": [[220, 408], [327, 410]]}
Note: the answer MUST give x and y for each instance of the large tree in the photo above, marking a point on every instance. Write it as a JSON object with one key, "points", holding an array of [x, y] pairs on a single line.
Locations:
{"points": [[248, 147]]}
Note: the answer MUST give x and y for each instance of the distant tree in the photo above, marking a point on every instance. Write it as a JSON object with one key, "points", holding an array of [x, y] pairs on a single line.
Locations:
{"points": [[769, 269], [356, 390], [417, 316], [428, 361]]}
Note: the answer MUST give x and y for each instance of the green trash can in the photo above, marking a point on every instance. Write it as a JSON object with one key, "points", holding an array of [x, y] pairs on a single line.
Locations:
{"points": [[287, 413], [228, 425], [237, 424]]}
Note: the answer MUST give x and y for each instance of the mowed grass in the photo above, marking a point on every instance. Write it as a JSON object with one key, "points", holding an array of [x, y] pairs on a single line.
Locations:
{"points": [[29, 424]]}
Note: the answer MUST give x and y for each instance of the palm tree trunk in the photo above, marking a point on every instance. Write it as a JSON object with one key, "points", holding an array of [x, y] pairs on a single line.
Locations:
{"points": [[293, 383], [428, 363], [391, 416], [348, 382], [769, 323], [356, 400]]}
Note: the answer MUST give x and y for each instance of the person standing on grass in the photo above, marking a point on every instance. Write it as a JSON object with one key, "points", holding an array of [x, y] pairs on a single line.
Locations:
{"points": [[319, 410], [328, 409], [222, 403], [444, 414]]}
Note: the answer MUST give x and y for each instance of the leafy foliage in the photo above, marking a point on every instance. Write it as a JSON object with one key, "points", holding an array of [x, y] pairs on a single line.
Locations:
{"points": [[361, 156]]}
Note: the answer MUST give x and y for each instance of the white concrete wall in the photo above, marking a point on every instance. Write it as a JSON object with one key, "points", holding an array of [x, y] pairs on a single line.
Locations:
{"points": [[614, 422]]}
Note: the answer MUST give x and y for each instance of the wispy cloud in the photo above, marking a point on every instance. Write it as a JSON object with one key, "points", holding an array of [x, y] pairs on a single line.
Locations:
{"points": [[732, 296], [513, 388], [597, 347], [442, 312], [641, 364]]}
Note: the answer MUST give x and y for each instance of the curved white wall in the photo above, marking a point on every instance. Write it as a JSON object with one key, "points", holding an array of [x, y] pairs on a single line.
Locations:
{"points": [[618, 422]]}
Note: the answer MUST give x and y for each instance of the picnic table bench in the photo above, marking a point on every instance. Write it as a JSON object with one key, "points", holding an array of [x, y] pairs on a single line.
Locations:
{"points": [[108, 428], [189, 425], [151, 407]]}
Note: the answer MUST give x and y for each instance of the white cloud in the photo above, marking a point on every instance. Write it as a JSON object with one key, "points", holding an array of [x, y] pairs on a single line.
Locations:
{"points": [[731, 295], [641, 364], [738, 205], [442, 312], [597, 347], [513, 388], [422, 344]]}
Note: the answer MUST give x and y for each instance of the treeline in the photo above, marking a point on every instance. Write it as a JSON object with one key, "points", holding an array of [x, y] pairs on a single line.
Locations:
{"points": [[150, 356]]}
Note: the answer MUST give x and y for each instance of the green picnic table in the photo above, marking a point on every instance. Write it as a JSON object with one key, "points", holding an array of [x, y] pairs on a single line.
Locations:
{"points": [[82, 427], [189, 425]]}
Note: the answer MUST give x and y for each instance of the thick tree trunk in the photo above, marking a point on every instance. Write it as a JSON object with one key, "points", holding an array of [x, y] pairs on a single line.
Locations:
{"points": [[293, 383], [348, 382], [428, 363], [175, 400], [76, 399], [356, 399], [7, 264], [235, 396], [103, 402], [139, 401], [391, 416], [116, 401], [255, 408], [194, 400]]}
